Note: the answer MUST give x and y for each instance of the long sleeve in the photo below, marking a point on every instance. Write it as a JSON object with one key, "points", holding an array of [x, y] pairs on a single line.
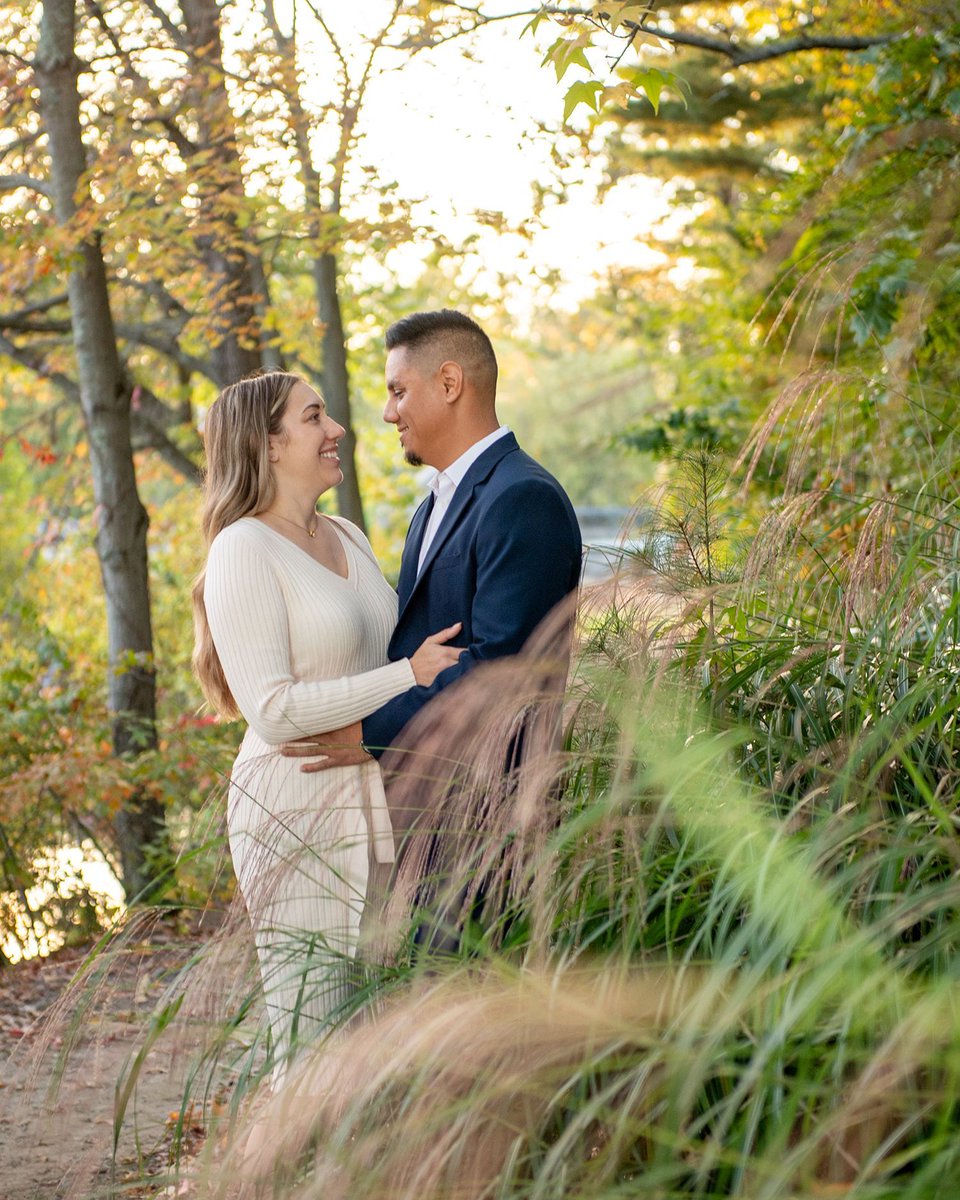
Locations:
{"points": [[249, 599]]}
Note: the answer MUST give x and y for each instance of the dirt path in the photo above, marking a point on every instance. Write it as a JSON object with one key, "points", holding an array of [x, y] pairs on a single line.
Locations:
{"points": [[60, 1148]]}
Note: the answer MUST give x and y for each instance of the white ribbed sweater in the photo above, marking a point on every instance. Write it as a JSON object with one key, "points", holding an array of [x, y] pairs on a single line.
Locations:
{"points": [[303, 652], [302, 649]]}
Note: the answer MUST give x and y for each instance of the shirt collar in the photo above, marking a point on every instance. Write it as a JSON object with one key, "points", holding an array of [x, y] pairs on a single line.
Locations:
{"points": [[459, 467]]}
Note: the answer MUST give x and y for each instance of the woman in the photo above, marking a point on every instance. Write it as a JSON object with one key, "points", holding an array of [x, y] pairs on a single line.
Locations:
{"points": [[293, 617]]}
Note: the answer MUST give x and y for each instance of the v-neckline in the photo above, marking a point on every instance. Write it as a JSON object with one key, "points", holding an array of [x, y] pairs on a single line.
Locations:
{"points": [[348, 578]]}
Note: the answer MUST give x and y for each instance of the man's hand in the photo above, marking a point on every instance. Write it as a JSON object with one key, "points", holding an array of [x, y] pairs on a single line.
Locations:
{"points": [[338, 748]]}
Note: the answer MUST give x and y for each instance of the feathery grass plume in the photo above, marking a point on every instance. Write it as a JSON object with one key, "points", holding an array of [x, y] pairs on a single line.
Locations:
{"points": [[186, 975], [779, 551], [473, 791], [745, 1060], [455, 1083], [768, 845], [69, 1052], [801, 404], [796, 843]]}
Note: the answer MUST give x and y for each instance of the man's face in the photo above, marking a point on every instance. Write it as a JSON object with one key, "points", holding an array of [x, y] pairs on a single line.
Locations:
{"points": [[416, 404]]}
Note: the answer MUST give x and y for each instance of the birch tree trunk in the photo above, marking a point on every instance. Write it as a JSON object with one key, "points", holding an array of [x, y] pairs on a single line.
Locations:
{"points": [[121, 520]]}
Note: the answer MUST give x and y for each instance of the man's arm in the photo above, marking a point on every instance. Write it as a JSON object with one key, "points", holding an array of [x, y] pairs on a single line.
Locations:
{"points": [[528, 560], [339, 748]]}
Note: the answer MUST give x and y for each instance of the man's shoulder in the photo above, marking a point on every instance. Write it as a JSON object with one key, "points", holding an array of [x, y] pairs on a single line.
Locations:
{"points": [[521, 486], [517, 468]]}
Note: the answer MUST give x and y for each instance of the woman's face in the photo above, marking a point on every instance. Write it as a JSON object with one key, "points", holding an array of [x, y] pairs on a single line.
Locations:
{"points": [[304, 453]]}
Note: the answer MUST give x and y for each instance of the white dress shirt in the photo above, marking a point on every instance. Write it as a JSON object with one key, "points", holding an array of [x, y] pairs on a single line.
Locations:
{"points": [[445, 484]]}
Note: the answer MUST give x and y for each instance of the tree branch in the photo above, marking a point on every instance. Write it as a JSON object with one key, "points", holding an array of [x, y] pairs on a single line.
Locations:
{"points": [[335, 45], [10, 183], [164, 344], [176, 135], [352, 105], [39, 367], [172, 29], [154, 339], [11, 319], [147, 416], [740, 55], [6, 52]]}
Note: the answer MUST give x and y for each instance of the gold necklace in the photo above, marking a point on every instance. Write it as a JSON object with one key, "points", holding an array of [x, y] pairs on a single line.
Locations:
{"points": [[312, 533]]}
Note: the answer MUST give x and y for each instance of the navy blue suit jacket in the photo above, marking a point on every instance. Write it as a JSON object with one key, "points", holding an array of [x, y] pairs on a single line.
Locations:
{"points": [[507, 551]]}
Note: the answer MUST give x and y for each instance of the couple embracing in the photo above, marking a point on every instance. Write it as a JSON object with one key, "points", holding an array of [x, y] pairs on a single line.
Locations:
{"points": [[299, 633]]}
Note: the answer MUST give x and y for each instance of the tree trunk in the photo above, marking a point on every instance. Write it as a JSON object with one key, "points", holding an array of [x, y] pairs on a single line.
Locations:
{"points": [[225, 250], [121, 520], [335, 383], [334, 377]]}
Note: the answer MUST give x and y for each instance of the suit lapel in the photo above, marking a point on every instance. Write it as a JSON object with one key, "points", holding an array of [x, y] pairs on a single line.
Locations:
{"points": [[411, 549], [463, 497]]}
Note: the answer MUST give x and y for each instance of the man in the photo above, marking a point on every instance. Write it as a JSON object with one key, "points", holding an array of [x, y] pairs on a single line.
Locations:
{"points": [[495, 546]]}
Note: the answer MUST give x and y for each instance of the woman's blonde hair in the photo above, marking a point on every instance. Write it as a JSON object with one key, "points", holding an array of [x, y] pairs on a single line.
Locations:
{"points": [[238, 483]]}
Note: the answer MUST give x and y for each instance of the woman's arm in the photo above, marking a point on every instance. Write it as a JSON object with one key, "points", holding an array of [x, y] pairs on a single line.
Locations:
{"points": [[248, 622]]}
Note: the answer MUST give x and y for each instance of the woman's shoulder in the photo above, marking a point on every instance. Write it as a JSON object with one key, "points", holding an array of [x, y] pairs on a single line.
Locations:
{"points": [[244, 534], [354, 534]]}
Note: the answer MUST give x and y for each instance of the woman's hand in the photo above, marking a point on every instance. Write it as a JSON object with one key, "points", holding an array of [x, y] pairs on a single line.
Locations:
{"points": [[433, 657]]}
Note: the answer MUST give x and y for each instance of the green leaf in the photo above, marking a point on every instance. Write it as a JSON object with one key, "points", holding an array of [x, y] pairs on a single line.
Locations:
{"points": [[651, 83], [619, 14], [552, 50], [572, 55], [585, 91], [534, 22]]}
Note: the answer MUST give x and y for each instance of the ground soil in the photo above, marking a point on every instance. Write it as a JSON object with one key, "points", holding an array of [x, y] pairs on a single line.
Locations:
{"points": [[58, 1145]]}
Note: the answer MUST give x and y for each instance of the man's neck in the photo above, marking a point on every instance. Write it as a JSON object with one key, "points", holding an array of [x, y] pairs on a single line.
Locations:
{"points": [[459, 448]]}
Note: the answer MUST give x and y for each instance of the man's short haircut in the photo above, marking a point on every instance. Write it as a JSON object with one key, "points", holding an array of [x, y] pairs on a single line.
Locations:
{"points": [[448, 334]]}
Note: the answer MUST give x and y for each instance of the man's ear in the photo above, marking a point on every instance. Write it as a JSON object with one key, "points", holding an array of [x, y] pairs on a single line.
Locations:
{"points": [[451, 380]]}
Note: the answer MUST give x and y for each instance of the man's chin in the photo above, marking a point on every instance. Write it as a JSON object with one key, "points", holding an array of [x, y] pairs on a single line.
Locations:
{"points": [[413, 460]]}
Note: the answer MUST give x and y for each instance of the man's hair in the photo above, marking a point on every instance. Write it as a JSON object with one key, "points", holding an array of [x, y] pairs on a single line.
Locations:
{"points": [[448, 334]]}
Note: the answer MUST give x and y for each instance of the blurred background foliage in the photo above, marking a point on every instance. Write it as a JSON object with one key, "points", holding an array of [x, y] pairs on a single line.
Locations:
{"points": [[801, 316], [775, 396]]}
